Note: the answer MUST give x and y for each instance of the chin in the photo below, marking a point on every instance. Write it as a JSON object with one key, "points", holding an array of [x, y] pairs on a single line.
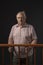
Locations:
{"points": [[20, 24]]}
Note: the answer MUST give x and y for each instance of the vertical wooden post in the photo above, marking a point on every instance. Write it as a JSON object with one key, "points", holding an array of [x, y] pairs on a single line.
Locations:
{"points": [[34, 55], [42, 56], [19, 54], [2, 55]]}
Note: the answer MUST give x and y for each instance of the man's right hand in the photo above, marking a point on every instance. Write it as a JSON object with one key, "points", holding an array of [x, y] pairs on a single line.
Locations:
{"points": [[10, 49]]}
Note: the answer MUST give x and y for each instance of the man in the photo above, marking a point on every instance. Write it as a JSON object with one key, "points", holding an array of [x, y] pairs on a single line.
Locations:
{"points": [[22, 33]]}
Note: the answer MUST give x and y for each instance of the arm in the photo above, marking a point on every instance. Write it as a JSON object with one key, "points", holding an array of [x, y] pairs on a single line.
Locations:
{"points": [[10, 40], [34, 37], [34, 42]]}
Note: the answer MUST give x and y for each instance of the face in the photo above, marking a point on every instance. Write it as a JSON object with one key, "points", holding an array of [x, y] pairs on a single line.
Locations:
{"points": [[20, 19]]}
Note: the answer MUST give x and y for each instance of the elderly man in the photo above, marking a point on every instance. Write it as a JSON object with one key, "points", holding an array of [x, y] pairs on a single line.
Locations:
{"points": [[22, 33]]}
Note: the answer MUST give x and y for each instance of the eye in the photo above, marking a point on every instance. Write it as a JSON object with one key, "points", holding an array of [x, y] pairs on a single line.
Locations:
{"points": [[18, 17]]}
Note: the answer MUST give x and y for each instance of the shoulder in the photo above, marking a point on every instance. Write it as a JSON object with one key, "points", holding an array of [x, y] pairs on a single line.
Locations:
{"points": [[14, 26], [30, 26]]}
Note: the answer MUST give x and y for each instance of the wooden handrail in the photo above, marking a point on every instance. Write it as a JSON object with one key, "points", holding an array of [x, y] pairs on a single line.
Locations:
{"points": [[33, 45]]}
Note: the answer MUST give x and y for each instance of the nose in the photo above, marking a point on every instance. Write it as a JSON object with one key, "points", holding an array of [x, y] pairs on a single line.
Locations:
{"points": [[21, 19]]}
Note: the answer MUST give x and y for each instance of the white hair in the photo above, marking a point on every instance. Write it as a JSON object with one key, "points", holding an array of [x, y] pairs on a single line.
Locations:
{"points": [[22, 13]]}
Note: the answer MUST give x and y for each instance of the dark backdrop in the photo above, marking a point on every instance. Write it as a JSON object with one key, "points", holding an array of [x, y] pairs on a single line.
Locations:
{"points": [[34, 12]]}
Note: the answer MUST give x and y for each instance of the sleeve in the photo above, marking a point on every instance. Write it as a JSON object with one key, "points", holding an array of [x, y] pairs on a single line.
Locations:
{"points": [[34, 36], [10, 38]]}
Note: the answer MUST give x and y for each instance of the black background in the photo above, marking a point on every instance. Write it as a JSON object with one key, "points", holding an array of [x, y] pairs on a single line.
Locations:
{"points": [[34, 12]]}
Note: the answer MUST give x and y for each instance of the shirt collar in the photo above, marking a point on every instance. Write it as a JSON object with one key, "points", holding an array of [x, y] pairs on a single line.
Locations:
{"points": [[25, 25]]}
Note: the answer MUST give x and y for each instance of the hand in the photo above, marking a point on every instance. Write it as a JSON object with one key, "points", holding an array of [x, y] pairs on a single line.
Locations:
{"points": [[27, 49], [10, 49]]}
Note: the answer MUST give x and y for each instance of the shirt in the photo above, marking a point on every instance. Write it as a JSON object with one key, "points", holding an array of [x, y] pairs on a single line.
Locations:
{"points": [[22, 35]]}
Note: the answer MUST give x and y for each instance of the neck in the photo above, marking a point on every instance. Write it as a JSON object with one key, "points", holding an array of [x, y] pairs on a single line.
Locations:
{"points": [[22, 24]]}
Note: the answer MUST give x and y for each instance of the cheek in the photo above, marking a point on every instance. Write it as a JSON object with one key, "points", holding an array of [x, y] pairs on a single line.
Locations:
{"points": [[18, 20], [23, 20]]}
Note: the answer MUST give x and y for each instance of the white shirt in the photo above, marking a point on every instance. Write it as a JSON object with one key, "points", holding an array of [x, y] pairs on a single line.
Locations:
{"points": [[22, 35]]}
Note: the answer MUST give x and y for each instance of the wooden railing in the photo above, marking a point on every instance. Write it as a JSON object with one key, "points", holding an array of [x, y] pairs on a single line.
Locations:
{"points": [[25, 45]]}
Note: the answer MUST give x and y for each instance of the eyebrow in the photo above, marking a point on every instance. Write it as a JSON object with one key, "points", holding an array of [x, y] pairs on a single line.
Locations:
{"points": [[18, 17]]}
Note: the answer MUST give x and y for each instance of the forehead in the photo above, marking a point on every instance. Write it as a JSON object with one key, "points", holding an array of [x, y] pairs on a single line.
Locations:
{"points": [[20, 15]]}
